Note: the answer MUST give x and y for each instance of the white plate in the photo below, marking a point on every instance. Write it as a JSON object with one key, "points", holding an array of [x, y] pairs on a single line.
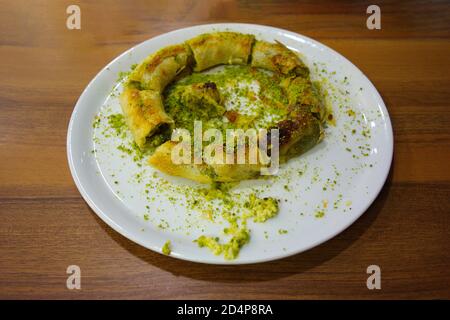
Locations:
{"points": [[339, 178]]}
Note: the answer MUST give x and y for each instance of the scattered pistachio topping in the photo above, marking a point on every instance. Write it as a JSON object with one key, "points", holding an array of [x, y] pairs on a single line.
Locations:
{"points": [[166, 249], [257, 96]]}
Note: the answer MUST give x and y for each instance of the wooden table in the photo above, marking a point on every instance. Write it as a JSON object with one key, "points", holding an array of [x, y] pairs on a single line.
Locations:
{"points": [[45, 225]]}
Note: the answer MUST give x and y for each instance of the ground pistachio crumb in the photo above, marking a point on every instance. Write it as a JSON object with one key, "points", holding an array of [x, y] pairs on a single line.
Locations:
{"points": [[117, 122], [230, 249], [261, 209], [320, 214], [237, 210], [166, 248]]}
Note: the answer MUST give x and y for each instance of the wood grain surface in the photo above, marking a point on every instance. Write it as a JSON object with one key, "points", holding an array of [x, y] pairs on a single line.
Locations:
{"points": [[45, 225]]}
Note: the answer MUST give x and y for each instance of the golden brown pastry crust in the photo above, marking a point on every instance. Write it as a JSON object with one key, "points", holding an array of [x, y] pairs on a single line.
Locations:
{"points": [[203, 173], [144, 111], [277, 58], [161, 160], [212, 49]]}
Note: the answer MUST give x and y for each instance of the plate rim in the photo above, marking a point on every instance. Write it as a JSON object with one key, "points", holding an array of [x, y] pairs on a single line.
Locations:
{"points": [[130, 236]]}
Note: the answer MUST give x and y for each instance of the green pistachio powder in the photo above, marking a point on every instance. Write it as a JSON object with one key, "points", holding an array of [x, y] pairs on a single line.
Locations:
{"points": [[261, 110], [166, 248]]}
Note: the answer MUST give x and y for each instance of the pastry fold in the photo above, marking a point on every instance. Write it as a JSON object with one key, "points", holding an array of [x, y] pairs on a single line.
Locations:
{"points": [[141, 99], [160, 68], [212, 49], [277, 58], [161, 159], [144, 113], [298, 134]]}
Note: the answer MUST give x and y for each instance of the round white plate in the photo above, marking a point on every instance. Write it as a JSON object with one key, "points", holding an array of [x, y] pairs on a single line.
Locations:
{"points": [[322, 192]]}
